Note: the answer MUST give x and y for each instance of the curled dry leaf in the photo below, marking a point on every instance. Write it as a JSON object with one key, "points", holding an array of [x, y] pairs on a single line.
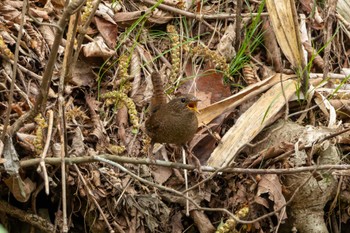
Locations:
{"points": [[99, 131], [39, 13], [270, 184], [126, 19], [250, 73], [342, 107], [160, 17], [326, 108], [202, 221], [122, 122], [135, 71], [317, 59], [10, 12], [225, 46], [97, 48], [273, 52], [78, 148]]}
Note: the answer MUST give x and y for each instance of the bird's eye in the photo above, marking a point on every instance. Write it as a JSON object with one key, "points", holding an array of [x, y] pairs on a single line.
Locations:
{"points": [[183, 100]]}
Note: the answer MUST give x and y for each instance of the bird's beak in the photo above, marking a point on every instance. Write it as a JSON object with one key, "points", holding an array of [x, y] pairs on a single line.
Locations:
{"points": [[193, 106]]}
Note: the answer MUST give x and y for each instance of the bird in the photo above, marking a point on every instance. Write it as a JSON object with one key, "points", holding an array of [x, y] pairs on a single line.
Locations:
{"points": [[174, 122]]}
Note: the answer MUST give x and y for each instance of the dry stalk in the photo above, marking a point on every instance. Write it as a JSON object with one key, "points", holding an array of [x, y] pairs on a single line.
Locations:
{"points": [[14, 71]]}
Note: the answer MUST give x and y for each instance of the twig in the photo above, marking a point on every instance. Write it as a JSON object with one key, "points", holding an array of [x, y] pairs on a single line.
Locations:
{"points": [[41, 99], [302, 111], [22, 93], [238, 24], [186, 181], [67, 67], [91, 195], [14, 71], [83, 30], [199, 16], [23, 69], [302, 147], [63, 153], [147, 161], [33, 219], [42, 167], [194, 203], [328, 30], [161, 187], [330, 75], [285, 100]]}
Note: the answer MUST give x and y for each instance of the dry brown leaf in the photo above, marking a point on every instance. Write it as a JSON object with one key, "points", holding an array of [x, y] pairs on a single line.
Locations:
{"points": [[125, 19], [342, 106], [98, 48], [326, 108], [82, 74], [225, 46], [9, 11], [99, 131], [211, 83], [209, 113], [20, 189], [161, 174], [270, 184], [273, 52], [208, 83], [202, 222], [283, 19], [122, 122], [77, 147], [108, 30], [39, 12], [59, 3], [177, 226], [49, 35]]}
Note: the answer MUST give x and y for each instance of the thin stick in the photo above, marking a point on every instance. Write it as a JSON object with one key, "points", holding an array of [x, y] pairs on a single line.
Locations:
{"points": [[14, 71], [199, 16], [91, 195], [162, 163], [42, 167], [186, 181], [122, 168]]}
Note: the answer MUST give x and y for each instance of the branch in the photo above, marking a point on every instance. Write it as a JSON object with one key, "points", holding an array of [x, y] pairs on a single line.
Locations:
{"points": [[162, 163]]}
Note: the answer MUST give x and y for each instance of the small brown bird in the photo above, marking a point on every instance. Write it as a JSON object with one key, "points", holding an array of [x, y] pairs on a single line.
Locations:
{"points": [[174, 122]]}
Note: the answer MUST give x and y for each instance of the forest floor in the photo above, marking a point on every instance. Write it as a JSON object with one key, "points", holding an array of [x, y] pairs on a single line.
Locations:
{"points": [[274, 110]]}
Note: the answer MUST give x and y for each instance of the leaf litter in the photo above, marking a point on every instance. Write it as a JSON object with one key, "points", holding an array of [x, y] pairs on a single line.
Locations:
{"points": [[254, 115]]}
